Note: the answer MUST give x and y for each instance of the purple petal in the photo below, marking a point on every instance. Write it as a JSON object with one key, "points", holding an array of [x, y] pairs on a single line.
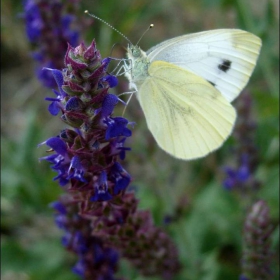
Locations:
{"points": [[111, 80], [106, 62], [108, 104], [57, 144], [54, 108], [243, 173], [79, 268], [117, 127], [75, 163], [74, 104], [58, 76], [59, 207], [121, 184], [229, 183]]}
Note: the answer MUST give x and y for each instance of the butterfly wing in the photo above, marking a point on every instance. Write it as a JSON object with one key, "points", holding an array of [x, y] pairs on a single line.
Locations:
{"points": [[224, 57], [187, 116]]}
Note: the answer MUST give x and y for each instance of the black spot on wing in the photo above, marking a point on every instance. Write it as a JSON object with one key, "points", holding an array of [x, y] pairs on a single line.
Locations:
{"points": [[213, 84], [225, 65]]}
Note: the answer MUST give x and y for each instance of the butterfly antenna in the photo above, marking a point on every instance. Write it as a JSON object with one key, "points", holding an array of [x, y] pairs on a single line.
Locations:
{"points": [[102, 20], [151, 26], [113, 48]]}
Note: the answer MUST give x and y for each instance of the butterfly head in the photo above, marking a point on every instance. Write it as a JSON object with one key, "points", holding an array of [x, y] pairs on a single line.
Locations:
{"points": [[134, 52]]}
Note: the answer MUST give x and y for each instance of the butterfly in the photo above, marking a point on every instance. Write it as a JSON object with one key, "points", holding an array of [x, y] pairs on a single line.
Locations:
{"points": [[185, 86]]}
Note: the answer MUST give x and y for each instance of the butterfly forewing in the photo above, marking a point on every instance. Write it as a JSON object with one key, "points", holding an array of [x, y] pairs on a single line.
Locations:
{"points": [[224, 57], [187, 116]]}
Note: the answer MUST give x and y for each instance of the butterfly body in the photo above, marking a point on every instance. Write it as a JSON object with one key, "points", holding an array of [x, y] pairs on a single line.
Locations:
{"points": [[185, 86]]}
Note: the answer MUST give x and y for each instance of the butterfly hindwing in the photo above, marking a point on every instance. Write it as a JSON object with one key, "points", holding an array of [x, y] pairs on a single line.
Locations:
{"points": [[187, 116], [224, 57]]}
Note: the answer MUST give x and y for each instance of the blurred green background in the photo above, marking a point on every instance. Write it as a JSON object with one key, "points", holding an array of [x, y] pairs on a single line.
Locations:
{"points": [[208, 231]]}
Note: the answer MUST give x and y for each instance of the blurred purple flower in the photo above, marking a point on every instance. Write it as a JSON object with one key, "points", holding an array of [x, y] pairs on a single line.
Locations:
{"points": [[49, 28], [257, 254], [241, 177], [95, 261]]}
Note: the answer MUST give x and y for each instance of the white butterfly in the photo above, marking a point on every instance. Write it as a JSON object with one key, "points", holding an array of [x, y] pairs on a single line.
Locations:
{"points": [[185, 86]]}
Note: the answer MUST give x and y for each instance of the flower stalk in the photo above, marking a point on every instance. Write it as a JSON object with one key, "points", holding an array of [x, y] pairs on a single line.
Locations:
{"points": [[97, 211], [257, 255]]}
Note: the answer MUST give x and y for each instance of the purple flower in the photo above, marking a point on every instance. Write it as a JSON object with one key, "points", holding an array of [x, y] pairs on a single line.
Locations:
{"points": [[60, 160], [120, 177], [117, 147], [80, 165], [78, 172], [56, 104], [101, 191], [236, 177], [117, 127]]}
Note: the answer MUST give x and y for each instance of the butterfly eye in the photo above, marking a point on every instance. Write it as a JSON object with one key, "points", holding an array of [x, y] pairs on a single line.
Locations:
{"points": [[135, 52]]}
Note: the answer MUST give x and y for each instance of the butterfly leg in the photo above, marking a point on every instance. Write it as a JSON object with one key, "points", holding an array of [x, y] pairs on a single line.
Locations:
{"points": [[120, 70], [126, 103], [117, 67]]}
